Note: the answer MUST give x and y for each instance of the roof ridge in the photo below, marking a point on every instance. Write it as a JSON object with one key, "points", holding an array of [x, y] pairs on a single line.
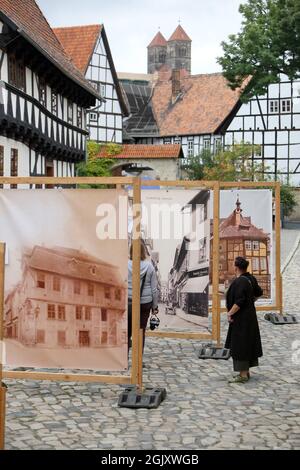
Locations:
{"points": [[77, 26]]}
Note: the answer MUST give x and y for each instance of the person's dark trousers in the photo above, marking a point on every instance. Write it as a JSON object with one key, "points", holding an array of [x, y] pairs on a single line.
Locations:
{"points": [[144, 315]]}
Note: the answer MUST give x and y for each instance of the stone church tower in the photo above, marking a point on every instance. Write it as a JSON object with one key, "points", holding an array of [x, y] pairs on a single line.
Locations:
{"points": [[157, 53], [176, 52], [179, 50]]}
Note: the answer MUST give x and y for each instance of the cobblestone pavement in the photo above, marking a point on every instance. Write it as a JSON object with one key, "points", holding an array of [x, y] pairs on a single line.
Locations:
{"points": [[201, 410]]}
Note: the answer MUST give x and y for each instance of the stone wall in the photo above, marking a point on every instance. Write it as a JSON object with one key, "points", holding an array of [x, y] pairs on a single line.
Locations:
{"points": [[162, 168], [295, 216]]}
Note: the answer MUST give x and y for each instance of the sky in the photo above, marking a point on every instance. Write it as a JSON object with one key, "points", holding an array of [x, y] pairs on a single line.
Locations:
{"points": [[131, 25]]}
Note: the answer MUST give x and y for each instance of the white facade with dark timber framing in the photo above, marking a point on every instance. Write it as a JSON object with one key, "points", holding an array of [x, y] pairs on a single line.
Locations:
{"points": [[273, 122], [89, 49], [43, 97]]}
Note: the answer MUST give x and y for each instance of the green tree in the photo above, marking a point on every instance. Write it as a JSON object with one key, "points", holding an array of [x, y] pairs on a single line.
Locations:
{"points": [[267, 45], [287, 199], [233, 164], [95, 166]]}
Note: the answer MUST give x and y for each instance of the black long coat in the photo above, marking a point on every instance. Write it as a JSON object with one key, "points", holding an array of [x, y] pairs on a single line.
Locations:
{"points": [[243, 338]]}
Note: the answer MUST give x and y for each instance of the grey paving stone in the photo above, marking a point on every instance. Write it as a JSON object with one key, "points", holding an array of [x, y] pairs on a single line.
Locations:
{"points": [[201, 410]]}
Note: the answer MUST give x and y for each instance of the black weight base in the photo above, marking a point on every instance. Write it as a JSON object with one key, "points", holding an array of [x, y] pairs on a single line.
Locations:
{"points": [[211, 352], [277, 319], [148, 398]]}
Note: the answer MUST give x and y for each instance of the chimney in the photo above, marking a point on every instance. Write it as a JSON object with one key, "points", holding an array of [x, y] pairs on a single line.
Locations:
{"points": [[175, 83]]}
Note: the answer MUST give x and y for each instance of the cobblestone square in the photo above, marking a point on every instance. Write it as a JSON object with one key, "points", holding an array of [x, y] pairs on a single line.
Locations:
{"points": [[202, 411]]}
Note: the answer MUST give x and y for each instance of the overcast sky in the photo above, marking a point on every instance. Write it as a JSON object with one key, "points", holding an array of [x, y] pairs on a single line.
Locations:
{"points": [[132, 24]]}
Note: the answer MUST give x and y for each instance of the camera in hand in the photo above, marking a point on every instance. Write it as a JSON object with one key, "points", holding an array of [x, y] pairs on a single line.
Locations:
{"points": [[154, 322]]}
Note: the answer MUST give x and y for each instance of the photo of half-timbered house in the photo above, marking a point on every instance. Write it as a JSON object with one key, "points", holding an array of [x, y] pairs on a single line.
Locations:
{"points": [[43, 97], [66, 299], [240, 237], [88, 47]]}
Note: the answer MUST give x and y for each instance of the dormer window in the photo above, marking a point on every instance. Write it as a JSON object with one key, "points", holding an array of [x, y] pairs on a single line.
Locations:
{"points": [[93, 270]]}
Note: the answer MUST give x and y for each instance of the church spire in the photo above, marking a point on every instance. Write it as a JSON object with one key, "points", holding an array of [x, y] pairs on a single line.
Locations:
{"points": [[158, 40], [179, 35]]}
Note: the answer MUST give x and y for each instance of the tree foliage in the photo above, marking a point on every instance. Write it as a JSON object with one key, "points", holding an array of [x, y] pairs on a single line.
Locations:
{"points": [[267, 45], [95, 166], [233, 164], [236, 164]]}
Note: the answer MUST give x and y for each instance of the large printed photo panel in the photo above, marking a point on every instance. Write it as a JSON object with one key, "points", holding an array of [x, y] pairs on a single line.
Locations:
{"points": [[65, 302], [246, 230], [176, 230]]}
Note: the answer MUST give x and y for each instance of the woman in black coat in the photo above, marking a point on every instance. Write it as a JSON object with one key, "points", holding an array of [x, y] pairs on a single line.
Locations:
{"points": [[243, 338]]}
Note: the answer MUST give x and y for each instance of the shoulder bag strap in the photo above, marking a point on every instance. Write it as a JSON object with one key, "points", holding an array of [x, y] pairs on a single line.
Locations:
{"points": [[143, 282]]}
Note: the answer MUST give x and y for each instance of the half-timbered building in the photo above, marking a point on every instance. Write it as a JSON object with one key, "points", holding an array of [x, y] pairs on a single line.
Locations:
{"points": [[89, 50], [173, 107], [43, 97], [272, 121], [240, 237]]}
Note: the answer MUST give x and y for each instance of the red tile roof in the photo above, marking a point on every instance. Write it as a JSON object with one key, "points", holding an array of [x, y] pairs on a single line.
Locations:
{"points": [[179, 35], [145, 151], [33, 26], [205, 101], [158, 40], [79, 43], [238, 226]]}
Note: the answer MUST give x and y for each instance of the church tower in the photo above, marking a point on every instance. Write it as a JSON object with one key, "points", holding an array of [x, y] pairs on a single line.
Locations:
{"points": [[157, 53], [179, 50]]}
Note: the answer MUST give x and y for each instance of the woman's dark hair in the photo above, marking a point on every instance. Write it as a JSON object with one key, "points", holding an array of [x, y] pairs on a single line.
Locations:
{"points": [[241, 263], [143, 251]]}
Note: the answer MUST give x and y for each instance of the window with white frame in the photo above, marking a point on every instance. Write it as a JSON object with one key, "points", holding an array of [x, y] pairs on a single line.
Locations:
{"points": [[167, 140], [285, 106], [177, 140], [93, 116], [248, 245], [263, 264], [190, 147], [218, 144], [255, 245], [255, 264], [206, 144], [273, 106]]}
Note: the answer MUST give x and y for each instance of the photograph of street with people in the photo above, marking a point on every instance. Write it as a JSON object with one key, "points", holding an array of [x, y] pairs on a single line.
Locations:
{"points": [[175, 231]]}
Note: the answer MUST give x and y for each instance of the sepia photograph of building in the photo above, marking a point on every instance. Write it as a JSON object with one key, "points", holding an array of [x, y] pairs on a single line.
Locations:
{"points": [[65, 287], [181, 262], [66, 299]]}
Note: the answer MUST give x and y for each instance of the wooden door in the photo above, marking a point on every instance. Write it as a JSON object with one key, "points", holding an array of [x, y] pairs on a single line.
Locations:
{"points": [[84, 339]]}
